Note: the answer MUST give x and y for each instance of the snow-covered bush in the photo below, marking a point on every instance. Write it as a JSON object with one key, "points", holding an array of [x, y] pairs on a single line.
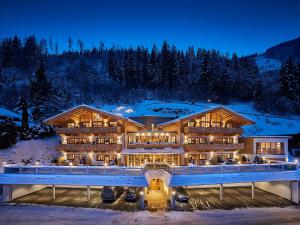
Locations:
{"points": [[8, 133]]}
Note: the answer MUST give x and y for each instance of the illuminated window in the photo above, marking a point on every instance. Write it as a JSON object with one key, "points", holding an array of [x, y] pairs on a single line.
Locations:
{"points": [[71, 125]]}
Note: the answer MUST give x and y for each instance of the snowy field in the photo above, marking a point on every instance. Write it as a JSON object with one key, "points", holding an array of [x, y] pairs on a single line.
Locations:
{"points": [[37, 215], [266, 124]]}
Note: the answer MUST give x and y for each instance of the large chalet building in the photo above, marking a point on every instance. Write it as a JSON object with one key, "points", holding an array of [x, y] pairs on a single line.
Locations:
{"points": [[91, 136]]}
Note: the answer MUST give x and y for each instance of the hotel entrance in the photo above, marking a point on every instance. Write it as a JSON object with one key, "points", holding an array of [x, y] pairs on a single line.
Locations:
{"points": [[156, 195], [142, 159]]}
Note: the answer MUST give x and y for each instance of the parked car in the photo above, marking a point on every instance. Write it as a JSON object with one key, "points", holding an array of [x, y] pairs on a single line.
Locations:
{"points": [[132, 194], [110, 194], [181, 195]]}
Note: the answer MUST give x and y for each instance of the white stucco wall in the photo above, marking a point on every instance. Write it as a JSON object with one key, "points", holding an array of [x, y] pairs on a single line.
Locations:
{"points": [[285, 140], [285, 189]]}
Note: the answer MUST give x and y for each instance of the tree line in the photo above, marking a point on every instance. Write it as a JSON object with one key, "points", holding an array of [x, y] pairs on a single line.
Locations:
{"points": [[51, 80]]}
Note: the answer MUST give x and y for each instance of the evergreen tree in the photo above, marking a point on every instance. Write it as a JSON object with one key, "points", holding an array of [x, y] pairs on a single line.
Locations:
{"points": [[23, 106], [154, 68], [130, 70], [31, 55], [40, 93], [112, 65], [7, 53], [204, 84], [70, 44], [165, 66], [288, 80]]}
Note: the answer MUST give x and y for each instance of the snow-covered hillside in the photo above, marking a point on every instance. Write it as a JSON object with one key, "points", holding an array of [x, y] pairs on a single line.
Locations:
{"points": [[266, 124], [267, 64], [42, 150]]}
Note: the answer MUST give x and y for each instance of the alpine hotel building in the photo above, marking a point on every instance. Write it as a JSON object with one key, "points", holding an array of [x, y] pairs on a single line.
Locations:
{"points": [[90, 136]]}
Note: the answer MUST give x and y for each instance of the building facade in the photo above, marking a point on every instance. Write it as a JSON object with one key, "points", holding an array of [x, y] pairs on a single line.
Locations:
{"points": [[91, 136]]}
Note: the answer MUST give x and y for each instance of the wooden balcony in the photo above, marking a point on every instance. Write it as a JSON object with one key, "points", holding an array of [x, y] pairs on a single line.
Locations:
{"points": [[213, 147], [90, 130], [153, 145], [213, 130], [89, 147]]}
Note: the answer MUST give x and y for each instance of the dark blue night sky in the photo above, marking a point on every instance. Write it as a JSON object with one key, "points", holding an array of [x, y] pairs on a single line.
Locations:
{"points": [[243, 26]]}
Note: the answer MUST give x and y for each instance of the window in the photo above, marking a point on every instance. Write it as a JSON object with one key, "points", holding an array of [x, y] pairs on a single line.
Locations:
{"points": [[100, 157], [130, 139], [71, 125], [205, 120], [70, 156], [86, 124], [196, 140], [271, 148], [97, 124], [173, 139], [97, 117], [223, 141], [191, 124], [106, 141], [112, 123], [78, 141], [228, 125]]}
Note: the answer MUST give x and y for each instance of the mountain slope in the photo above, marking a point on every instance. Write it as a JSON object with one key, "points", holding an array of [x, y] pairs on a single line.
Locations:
{"points": [[285, 50]]}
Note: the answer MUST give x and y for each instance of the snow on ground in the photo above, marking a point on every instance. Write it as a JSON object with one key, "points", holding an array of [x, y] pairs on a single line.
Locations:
{"points": [[37, 215], [267, 64], [37, 149], [266, 124]]}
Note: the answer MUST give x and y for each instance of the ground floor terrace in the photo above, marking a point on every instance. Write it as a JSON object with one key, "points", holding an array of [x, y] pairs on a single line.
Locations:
{"points": [[141, 157]]}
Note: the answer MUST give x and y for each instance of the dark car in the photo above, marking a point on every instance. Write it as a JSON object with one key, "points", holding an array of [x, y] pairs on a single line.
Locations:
{"points": [[132, 194], [181, 195], [110, 194]]}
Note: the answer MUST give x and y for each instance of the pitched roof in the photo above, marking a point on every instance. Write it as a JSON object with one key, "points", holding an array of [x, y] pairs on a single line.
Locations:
{"points": [[81, 108], [225, 109]]}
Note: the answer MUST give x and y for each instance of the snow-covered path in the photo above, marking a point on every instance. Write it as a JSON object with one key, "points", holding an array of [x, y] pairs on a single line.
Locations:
{"points": [[37, 215]]}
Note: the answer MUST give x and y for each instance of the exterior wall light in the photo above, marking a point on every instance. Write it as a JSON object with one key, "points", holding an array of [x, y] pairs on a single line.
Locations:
{"points": [[70, 164], [141, 193], [173, 192]]}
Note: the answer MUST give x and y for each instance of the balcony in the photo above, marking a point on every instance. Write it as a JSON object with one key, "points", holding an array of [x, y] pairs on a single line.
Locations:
{"points": [[213, 147], [213, 130], [153, 145], [89, 147], [90, 130]]}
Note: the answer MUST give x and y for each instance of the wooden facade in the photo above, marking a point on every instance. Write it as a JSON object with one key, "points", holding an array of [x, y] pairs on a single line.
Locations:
{"points": [[93, 136]]}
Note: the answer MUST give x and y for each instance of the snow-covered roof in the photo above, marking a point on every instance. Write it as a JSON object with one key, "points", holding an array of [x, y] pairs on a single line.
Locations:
{"points": [[228, 178], [78, 180], [207, 111], [8, 113]]}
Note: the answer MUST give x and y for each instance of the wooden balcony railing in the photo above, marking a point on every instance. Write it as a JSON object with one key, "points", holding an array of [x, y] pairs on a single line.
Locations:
{"points": [[88, 130], [213, 130], [212, 147], [89, 147], [152, 145]]}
